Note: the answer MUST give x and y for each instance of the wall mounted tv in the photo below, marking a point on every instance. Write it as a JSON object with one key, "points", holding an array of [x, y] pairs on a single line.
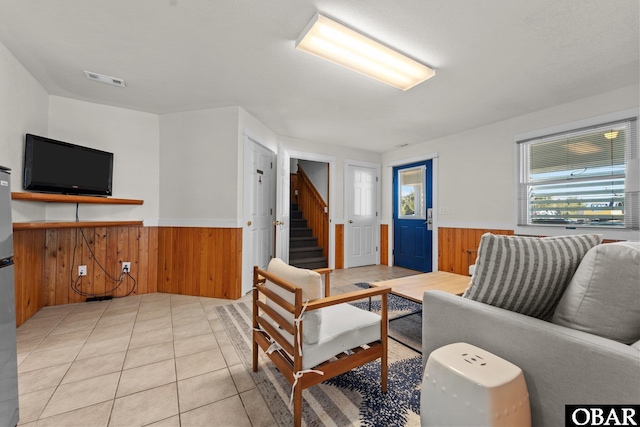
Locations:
{"points": [[59, 167]]}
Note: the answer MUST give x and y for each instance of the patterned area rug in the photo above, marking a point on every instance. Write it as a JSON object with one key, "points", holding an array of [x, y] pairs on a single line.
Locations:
{"points": [[405, 317], [351, 399]]}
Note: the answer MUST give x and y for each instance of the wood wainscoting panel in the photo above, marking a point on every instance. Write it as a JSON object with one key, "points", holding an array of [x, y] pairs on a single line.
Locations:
{"points": [[457, 246], [200, 261], [384, 244], [98, 248], [29, 269], [47, 260], [339, 253]]}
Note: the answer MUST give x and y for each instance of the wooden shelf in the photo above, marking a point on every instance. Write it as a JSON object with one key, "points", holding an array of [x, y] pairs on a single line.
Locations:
{"points": [[64, 198], [36, 225]]}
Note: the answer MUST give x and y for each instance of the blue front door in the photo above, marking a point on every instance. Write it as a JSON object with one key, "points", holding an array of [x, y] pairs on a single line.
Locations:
{"points": [[412, 203]]}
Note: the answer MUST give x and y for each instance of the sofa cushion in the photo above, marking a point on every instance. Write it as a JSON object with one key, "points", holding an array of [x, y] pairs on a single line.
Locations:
{"points": [[636, 345], [311, 283], [603, 297], [527, 274]]}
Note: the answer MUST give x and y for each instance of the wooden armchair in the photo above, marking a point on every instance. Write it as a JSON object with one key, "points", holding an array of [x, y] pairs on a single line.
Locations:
{"points": [[309, 335]]}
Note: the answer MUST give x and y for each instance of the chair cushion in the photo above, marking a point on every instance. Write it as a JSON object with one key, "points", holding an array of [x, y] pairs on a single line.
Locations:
{"points": [[311, 284], [527, 274], [603, 297], [343, 327]]}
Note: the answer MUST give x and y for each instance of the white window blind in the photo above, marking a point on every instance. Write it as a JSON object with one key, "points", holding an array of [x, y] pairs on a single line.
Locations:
{"points": [[582, 178]]}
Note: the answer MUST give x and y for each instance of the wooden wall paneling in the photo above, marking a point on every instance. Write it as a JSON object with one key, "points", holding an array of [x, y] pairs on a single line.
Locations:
{"points": [[180, 251], [339, 249], [28, 273], [191, 279], [46, 263], [160, 273], [234, 284], [62, 262], [142, 274], [79, 256], [454, 245], [200, 261], [99, 277], [37, 264], [225, 276], [111, 259], [175, 270], [133, 256], [50, 250], [122, 254], [20, 275], [152, 278], [203, 253], [384, 244], [164, 257], [459, 257], [215, 253]]}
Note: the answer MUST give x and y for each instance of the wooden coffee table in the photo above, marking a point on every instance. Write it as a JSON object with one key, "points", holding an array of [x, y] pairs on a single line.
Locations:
{"points": [[414, 287]]}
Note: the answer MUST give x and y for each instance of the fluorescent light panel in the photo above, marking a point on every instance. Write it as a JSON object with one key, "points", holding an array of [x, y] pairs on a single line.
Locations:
{"points": [[332, 41]]}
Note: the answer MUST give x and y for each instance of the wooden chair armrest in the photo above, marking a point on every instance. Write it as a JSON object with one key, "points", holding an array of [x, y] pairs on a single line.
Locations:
{"points": [[326, 272], [348, 297]]}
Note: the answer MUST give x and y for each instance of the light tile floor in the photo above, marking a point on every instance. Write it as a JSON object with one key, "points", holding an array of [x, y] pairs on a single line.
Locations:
{"points": [[155, 359]]}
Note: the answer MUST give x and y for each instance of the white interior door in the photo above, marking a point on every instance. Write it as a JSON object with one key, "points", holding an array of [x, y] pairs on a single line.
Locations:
{"points": [[283, 191], [361, 229], [259, 186]]}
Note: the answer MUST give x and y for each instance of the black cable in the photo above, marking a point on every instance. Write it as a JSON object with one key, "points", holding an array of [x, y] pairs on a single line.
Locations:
{"points": [[74, 283]]}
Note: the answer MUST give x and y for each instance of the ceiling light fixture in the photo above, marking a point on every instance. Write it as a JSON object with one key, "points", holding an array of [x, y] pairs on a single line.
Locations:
{"points": [[611, 135], [104, 79], [334, 42]]}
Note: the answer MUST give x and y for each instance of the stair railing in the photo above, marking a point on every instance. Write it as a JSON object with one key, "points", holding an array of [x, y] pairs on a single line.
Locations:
{"points": [[314, 210]]}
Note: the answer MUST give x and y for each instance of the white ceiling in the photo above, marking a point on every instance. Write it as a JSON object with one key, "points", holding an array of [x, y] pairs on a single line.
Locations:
{"points": [[494, 59]]}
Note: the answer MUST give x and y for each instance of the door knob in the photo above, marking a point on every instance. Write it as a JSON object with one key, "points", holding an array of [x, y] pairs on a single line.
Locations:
{"points": [[249, 223], [350, 221]]}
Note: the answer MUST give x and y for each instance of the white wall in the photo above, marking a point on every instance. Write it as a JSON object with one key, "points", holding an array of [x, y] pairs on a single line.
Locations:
{"points": [[476, 167], [318, 173], [201, 165], [24, 109], [132, 137], [198, 167]]}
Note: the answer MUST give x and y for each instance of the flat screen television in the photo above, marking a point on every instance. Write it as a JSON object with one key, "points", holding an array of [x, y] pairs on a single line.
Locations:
{"points": [[59, 167]]}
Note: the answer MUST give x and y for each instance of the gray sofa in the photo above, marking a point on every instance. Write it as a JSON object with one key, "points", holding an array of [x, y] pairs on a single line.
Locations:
{"points": [[561, 365]]}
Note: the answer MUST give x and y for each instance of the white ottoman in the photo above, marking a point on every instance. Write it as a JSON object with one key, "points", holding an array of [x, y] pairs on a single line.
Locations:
{"points": [[464, 385]]}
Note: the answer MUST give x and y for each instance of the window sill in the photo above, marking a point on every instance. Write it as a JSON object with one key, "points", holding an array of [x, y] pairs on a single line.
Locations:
{"points": [[562, 230]]}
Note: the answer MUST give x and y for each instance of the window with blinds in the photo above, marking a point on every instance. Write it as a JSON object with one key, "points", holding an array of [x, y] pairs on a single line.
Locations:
{"points": [[581, 178]]}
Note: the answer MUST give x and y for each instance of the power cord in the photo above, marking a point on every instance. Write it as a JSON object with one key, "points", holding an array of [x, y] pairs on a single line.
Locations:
{"points": [[75, 282]]}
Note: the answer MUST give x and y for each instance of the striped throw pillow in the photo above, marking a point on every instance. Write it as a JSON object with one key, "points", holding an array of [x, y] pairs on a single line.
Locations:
{"points": [[527, 275]]}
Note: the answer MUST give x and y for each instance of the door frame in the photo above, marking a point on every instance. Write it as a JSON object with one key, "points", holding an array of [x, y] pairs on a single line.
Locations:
{"points": [[302, 155], [378, 168], [434, 188]]}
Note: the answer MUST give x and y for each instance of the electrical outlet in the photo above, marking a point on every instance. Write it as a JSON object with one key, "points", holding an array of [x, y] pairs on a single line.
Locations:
{"points": [[126, 267], [82, 270]]}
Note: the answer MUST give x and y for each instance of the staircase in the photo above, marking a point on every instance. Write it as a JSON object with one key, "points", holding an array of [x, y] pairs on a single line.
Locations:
{"points": [[304, 251]]}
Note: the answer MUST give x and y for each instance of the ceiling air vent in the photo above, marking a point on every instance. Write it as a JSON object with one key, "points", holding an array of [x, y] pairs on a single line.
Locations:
{"points": [[104, 79]]}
